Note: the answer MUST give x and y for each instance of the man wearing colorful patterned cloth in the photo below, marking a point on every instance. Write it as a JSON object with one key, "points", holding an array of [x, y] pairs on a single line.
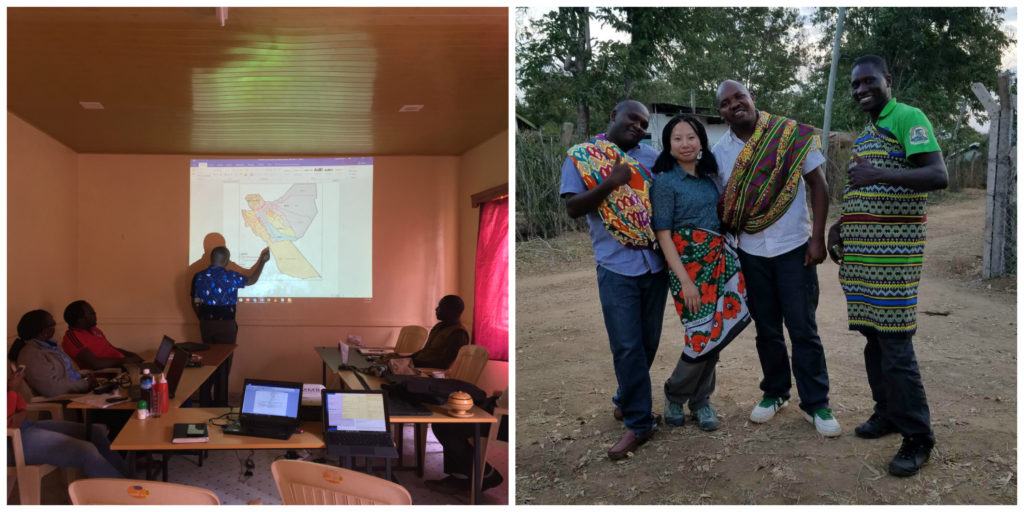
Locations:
{"points": [[879, 244], [608, 180], [214, 298], [764, 161]]}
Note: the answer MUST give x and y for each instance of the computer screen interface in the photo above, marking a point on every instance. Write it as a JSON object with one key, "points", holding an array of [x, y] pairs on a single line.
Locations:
{"points": [[355, 412]]}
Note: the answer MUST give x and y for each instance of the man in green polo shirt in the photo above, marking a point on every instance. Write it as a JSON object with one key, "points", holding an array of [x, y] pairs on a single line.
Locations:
{"points": [[879, 244]]}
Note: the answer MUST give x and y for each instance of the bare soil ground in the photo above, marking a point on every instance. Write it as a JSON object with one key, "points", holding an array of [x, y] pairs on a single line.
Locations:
{"points": [[966, 346]]}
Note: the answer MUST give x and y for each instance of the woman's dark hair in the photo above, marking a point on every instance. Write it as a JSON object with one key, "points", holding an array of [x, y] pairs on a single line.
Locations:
{"points": [[706, 165], [75, 311], [33, 323]]}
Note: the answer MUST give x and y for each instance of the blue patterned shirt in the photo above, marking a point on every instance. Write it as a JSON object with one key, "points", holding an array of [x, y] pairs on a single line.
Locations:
{"points": [[215, 292]]}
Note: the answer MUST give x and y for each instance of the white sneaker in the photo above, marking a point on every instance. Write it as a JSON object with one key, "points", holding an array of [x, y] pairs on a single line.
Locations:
{"points": [[766, 409], [824, 422]]}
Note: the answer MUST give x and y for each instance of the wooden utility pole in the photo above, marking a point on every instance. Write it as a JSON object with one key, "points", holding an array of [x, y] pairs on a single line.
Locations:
{"points": [[1000, 221]]}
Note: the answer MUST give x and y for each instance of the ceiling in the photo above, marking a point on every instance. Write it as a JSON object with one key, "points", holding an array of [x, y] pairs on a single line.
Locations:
{"points": [[271, 81]]}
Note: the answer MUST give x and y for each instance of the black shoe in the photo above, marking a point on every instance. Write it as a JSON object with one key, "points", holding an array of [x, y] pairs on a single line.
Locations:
{"points": [[491, 479], [914, 452], [875, 427]]}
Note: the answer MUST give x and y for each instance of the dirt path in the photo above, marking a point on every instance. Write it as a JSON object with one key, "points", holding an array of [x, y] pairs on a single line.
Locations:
{"points": [[967, 353]]}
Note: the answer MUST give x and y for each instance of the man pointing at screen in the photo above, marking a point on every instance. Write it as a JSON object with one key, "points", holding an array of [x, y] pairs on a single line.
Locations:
{"points": [[214, 296]]}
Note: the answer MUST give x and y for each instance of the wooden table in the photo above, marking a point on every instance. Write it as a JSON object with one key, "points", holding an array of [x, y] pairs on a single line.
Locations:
{"points": [[191, 380], [330, 356]]}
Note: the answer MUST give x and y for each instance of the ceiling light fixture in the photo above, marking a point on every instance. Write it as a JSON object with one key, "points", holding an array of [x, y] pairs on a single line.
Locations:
{"points": [[91, 105], [411, 108], [222, 15]]}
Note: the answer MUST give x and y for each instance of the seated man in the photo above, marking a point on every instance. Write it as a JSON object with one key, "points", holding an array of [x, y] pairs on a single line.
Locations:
{"points": [[87, 344], [457, 446], [445, 338]]}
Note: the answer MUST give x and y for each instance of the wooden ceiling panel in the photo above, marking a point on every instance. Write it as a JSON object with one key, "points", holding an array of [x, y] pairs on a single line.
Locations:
{"points": [[272, 81]]}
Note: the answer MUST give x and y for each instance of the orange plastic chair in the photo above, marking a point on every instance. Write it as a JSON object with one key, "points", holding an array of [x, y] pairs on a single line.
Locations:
{"points": [[469, 364], [410, 339], [119, 491], [308, 483]]}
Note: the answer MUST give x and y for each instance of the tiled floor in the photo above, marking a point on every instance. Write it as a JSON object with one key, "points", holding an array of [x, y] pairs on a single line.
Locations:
{"points": [[222, 473]]}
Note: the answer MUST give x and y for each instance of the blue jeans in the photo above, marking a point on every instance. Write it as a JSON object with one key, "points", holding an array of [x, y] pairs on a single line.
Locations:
{"points": [[782, 290], [634, 309], [65, 444]]}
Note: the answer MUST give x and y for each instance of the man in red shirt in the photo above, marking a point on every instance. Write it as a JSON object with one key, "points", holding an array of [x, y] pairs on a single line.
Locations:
{"points": [[86, 343]]}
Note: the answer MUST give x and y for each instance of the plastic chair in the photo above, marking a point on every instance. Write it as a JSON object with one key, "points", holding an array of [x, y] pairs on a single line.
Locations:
{"points": [[469, 364], [30, 476], [119, 491], [308, 483], [500, 410], [410, 339]]}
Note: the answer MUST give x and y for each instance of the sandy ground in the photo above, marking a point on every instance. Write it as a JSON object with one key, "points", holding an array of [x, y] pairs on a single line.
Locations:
{"points": [[966, 346]]}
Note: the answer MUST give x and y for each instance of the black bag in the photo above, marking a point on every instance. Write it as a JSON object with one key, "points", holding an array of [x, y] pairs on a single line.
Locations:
{"points": [[427, 390]]}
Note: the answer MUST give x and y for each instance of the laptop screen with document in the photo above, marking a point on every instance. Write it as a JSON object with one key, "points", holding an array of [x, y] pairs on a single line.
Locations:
{"points": [[268, 399], [355, 412]]}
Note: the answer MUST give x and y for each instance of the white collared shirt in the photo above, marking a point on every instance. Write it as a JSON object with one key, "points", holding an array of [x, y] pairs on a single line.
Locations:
{"points": [[794, 227]]}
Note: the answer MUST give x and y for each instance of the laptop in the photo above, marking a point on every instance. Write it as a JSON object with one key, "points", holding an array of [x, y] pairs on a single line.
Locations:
{"points": [[269, 409], [357, 423], [163, 352], [178, 361]]}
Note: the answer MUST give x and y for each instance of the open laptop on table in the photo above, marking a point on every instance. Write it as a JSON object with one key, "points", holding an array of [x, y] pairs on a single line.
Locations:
{"points": [[357, 423], [179, 358], [163, 352], [269, 409]]}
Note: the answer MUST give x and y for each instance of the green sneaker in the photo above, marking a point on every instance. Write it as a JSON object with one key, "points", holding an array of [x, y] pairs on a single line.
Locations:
{"points": [[707, 418], [824, 422], [674, 414], [766, 409]]}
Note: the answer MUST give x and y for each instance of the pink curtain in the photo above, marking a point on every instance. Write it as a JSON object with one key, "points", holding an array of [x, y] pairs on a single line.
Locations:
{"points": [[490, 307]]}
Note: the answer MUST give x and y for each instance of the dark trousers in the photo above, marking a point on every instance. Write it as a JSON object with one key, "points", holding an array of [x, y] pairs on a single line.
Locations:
{"points": [[634, 309], [214, 392], [781, 290], [896, 382], [692, 383], [457, 448]]}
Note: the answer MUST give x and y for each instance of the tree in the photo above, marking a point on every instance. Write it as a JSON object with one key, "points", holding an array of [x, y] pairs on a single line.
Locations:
{"points": [[934, 54], [553, 66]]}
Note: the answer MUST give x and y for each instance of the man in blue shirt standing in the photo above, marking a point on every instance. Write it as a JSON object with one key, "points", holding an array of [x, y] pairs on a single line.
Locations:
{"points": [[631, 278], [214, 296]]}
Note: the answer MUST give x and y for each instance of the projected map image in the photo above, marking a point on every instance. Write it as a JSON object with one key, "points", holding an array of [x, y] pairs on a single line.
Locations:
{"points": [[282, 221], [314, 214]]}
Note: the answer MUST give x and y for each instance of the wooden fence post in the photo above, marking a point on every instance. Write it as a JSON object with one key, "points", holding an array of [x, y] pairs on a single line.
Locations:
{"points": [[999, 226]]}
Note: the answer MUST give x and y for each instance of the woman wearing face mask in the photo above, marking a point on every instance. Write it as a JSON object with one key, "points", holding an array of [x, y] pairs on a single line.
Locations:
{"points": [[705, 279]]}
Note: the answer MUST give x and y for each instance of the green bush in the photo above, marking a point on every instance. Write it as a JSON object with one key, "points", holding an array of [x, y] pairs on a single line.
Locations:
{"points": [[540, 212]]}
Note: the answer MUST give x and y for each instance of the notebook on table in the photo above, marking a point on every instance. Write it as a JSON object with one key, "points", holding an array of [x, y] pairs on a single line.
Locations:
{"points": [[190, 433]]}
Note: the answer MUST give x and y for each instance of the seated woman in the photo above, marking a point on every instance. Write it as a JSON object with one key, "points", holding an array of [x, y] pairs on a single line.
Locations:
{"points": [[87, 344], [48, 370], [64, 444], [704, 274]]}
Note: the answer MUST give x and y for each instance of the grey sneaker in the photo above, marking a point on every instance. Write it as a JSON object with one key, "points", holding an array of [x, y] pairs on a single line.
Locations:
{"points": [[674, 414], [824, 422], [766, 409], [707, 418]]}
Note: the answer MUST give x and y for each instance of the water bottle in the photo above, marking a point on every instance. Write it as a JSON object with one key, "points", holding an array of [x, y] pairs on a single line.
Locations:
{"points": [[146, 386]]}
